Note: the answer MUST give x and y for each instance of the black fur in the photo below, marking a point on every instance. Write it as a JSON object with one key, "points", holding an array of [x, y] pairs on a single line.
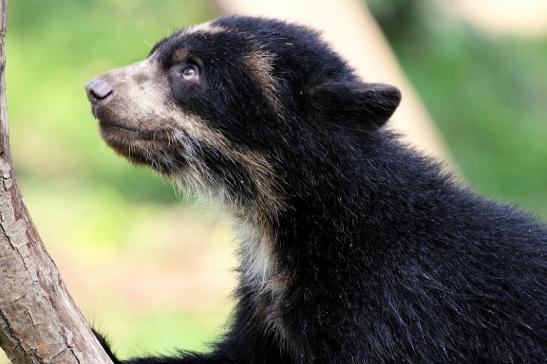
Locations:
{"points": [[383, 258]]}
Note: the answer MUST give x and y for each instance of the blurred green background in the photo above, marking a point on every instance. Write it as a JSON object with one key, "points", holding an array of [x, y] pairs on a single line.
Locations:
{"points": [[151, 269]]}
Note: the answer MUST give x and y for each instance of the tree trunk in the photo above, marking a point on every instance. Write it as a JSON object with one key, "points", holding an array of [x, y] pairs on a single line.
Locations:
{"points": [[39, 322]]}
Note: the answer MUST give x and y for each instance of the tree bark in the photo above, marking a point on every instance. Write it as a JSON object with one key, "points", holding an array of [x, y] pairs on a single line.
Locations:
{"points": [[39, 322]]}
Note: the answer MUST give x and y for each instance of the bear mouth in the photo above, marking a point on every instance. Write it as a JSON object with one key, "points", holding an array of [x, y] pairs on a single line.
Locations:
{"points": [[114, 127], [129, 143], [125, 138], [124, 133], [139, 146]]}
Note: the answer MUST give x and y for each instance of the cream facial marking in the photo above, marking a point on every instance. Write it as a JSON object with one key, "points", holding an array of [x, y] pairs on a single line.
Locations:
{"points": [[143, 123], [260, 64], [204, 28]]}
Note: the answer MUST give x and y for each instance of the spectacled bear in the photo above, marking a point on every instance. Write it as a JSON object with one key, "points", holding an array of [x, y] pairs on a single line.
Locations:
{"points": [[354, 247]]}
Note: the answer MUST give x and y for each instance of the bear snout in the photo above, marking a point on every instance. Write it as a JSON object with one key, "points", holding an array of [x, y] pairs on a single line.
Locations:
{"points": [[98, 90]]}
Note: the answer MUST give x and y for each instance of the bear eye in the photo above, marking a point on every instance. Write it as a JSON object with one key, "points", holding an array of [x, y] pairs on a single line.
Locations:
{"points": [[190, 72]]}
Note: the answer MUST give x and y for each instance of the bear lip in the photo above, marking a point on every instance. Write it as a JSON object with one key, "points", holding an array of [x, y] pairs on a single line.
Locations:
{"points": [[130, 134], [109, 124]]}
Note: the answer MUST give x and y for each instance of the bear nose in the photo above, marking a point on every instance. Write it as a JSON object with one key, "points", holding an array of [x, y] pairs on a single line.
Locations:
{"points": [[98, 90]]}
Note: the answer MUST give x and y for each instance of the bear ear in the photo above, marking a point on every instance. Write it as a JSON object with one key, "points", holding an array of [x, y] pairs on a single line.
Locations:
{"points": [[368, 105]]}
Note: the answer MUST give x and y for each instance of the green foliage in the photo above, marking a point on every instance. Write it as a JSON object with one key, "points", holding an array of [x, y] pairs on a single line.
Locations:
{"points": [[489, 98], [82, 196], [400, 18], [53, 49], [192, 330], [488, 95]]}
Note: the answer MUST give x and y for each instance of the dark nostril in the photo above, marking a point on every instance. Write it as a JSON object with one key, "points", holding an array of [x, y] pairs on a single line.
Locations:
{"points": [[97, 94], [97, 90]]}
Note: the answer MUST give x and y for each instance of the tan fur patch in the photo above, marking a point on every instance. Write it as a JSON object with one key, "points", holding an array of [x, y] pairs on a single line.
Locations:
{"points": [[256, 235], [143, 102], [179, 55], [260, 63], [141, 93], [205, 29], [268, 200], [256, 253]]}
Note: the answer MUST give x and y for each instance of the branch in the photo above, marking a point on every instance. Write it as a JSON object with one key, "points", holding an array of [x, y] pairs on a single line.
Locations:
{"points": [[39, 322]]}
